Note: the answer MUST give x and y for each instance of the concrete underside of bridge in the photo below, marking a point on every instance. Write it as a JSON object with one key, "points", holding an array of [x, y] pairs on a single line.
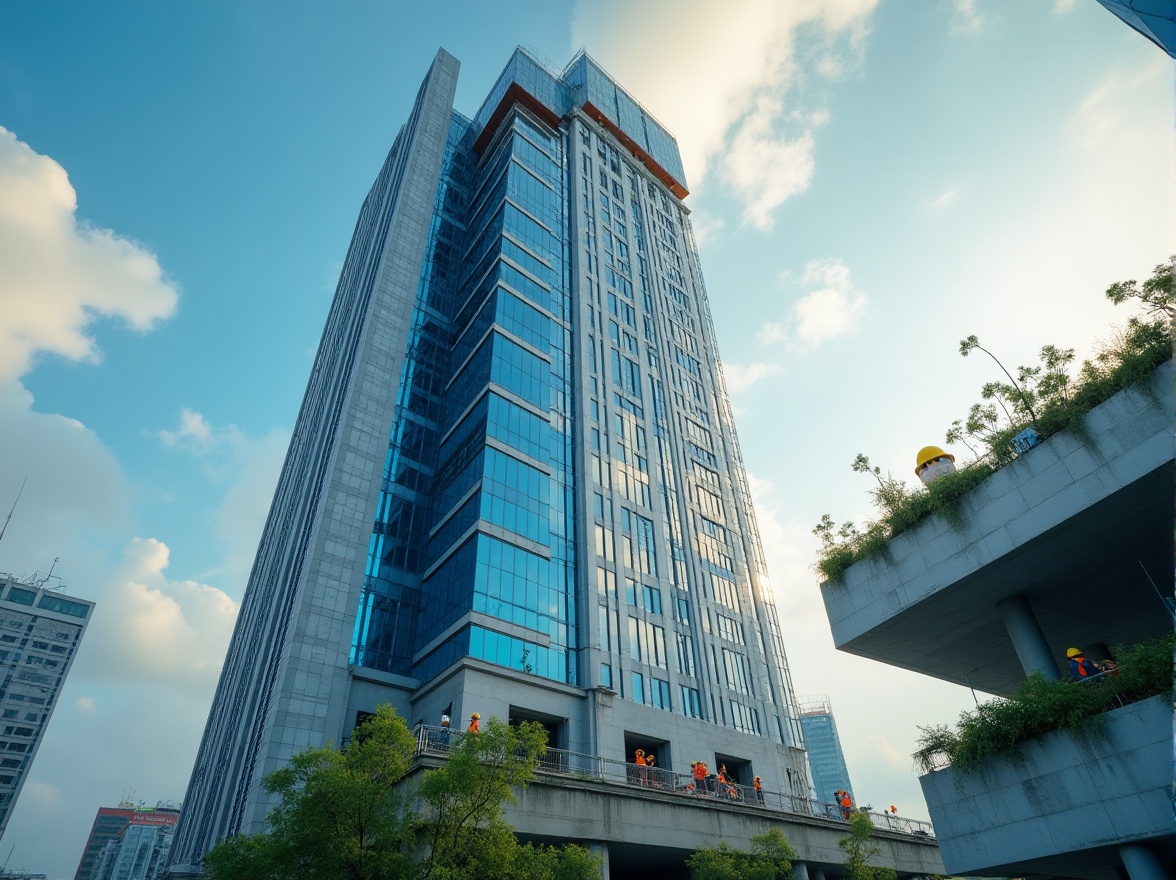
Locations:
{"points": [[650, 833]]}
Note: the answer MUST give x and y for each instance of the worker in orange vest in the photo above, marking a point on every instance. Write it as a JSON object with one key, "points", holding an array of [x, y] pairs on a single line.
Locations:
{"points": [[639, 760], [759, 791], [475, 724], [846, 805]]}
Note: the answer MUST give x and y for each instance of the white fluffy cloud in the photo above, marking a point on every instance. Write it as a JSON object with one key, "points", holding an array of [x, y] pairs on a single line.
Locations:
{"points": [[831, 310], [740, 377], [250, 466], [966, 18], [150, 628], [134, 704], [748, 104], [57, 274]]}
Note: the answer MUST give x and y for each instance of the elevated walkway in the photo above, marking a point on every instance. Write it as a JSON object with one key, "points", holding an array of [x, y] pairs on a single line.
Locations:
{"points": [[647, 821]]}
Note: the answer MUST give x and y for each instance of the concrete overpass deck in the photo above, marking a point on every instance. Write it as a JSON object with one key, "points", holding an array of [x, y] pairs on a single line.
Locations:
{"points": [[647, 821]]}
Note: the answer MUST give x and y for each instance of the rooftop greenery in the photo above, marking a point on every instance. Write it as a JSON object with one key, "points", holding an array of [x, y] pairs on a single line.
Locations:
{"points": [[1040, 706], [1044, 396]]}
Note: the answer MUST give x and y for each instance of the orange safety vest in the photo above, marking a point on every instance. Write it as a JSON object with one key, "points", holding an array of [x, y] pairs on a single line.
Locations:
{"points": [[757, 784], [475, 726], [640, 761]]}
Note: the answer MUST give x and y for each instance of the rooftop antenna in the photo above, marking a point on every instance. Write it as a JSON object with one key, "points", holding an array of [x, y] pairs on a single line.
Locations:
{"points": [[14, 503], [56, 559]]}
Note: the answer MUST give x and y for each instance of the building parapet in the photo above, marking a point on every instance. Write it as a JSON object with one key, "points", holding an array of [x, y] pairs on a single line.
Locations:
{"points": [[1062, 804]]}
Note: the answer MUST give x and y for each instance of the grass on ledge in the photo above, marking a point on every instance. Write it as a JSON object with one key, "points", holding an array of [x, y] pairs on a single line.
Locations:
{"points": [[1128, 360], [1040, 706]]}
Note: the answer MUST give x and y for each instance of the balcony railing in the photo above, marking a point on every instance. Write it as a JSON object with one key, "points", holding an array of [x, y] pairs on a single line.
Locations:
{"points": [[576, 765]]}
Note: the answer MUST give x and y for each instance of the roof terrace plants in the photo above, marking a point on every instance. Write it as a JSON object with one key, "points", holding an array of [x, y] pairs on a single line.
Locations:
{"points": [[999, 726], [1043, 396]]}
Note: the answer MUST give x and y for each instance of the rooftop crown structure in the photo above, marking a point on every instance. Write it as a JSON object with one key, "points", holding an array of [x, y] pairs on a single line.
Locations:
{"points": [[514, 485]]}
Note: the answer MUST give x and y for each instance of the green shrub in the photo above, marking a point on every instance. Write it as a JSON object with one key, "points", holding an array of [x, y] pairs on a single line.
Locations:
{"points": [[1040, 705], [1041, 396]]}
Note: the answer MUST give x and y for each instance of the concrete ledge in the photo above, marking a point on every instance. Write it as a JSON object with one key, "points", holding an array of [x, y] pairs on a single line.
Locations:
{"points": [[1068, 801], [1063, 525]]}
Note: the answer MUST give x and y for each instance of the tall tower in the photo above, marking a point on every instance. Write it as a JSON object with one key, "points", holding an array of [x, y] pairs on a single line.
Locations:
{"points": [[826, 759], [514, 485], [40, 631]]}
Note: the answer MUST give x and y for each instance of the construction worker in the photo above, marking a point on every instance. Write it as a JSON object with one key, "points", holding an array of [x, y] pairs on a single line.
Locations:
{"points": [[639, 775], [932, 463], [846, 805], [475, 724], [759, 791], [1081, 668]]}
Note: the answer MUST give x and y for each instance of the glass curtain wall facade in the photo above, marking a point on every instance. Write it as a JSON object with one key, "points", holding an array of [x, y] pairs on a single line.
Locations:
{"points": [[546, 515], [826, 759]]}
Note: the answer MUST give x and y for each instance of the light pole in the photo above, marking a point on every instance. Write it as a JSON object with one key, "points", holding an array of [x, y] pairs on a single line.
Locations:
{"points": [[968, 679]]}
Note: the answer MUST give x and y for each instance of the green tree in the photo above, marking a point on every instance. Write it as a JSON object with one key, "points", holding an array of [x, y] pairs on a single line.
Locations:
{"points": [[1157, 295], [770, 859], [891, 493], [461, 803], [341, 814], [352, 815], [859, 849]]}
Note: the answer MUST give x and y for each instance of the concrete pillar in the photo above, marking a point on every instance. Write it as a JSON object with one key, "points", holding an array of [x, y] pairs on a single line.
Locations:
{"points": [[816, 874], [600, 850], [800, 871], [1023, 629], [1141, 863]]}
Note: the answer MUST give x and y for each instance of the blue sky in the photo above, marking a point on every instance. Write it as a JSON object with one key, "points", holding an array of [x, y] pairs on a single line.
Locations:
{"points": [[871, 181]]}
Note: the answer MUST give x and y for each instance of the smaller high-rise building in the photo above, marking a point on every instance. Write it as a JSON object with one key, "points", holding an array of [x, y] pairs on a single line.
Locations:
{"points": [[40, 630], [139, 849], [108, 825], [826, 760]]}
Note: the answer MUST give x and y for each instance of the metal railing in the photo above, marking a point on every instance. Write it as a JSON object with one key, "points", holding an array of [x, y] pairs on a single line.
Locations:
{"points": [[593, 768]]}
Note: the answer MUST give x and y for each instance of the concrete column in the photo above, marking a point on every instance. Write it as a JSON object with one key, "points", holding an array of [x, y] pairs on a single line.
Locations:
{"points": [[816, 874], [800, 871], [1023, 629], [600, 850], [1141, 863]]}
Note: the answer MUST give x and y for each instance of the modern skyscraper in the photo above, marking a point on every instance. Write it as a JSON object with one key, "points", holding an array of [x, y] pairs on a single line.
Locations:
{"points": [[514, 485], [826, 760], [40, 630]]}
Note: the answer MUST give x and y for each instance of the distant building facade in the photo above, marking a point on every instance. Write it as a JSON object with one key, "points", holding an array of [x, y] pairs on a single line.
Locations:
{"points": [[40, 630], [108, 825], [137, 851], [826, 759]]}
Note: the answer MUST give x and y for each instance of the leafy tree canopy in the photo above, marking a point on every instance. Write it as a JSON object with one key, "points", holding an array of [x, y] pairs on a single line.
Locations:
{"points": [[859, 849], [770, 859], [352, 815]]}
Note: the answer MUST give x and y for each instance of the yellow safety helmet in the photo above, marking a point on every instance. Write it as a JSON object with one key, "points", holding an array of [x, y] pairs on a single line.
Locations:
{"points": [[475, 715], [928, 453], [1073, 652]]}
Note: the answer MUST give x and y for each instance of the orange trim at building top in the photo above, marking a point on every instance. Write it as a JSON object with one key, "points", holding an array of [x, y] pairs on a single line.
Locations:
{"points": [[633, 147], [516, 94]]}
